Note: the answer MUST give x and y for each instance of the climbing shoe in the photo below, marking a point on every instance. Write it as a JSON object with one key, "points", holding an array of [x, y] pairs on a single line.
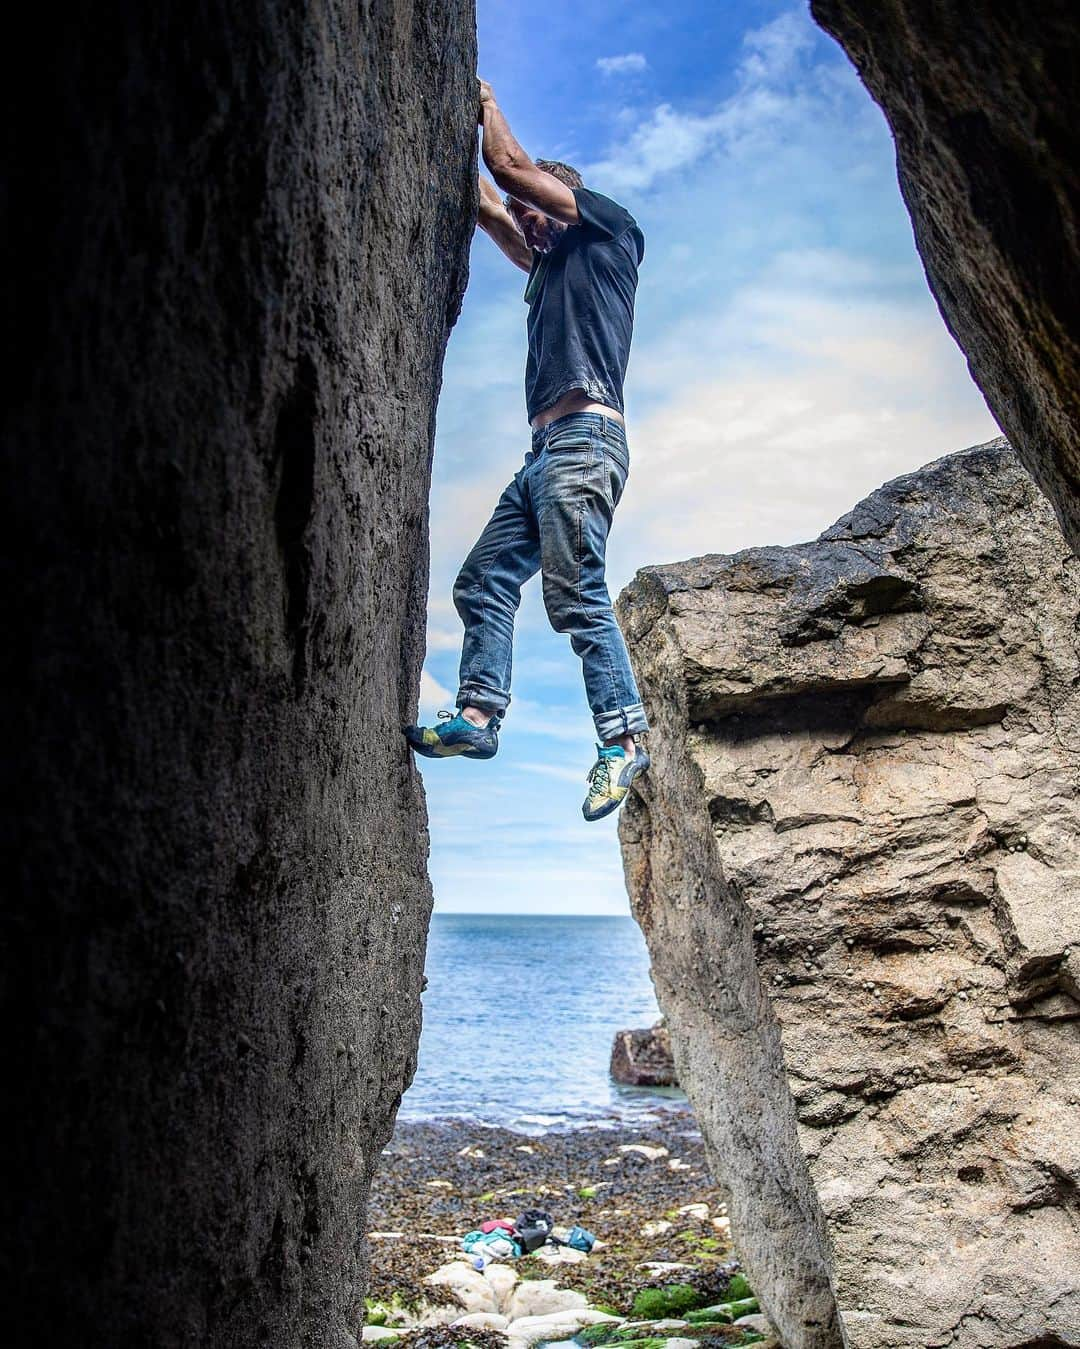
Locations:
{"points": [[454, 737], [609, 779]]}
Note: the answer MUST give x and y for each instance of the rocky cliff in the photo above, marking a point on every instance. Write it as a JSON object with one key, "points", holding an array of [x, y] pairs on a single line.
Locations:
{"points": [[856, 863], [237, 238], [981, 100]]}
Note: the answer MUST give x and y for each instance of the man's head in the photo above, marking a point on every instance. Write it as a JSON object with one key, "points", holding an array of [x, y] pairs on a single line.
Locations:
{"points": [[540, 231]]}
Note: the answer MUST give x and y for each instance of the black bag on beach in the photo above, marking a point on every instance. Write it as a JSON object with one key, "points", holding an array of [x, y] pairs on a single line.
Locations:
{"points": [[533, 1228]]}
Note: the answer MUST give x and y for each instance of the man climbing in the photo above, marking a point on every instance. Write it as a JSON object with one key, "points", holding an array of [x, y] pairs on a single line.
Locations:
{"points": [[582, 252]]}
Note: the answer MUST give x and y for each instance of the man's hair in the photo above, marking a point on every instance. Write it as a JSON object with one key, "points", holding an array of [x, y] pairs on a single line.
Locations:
{"points": [[565, 173]]}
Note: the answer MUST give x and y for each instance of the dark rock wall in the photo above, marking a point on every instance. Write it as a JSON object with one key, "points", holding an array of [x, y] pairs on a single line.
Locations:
{"points": [[982, 102], [237, 239]]}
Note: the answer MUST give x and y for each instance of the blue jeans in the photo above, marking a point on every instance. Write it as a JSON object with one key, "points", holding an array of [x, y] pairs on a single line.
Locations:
{"points": [[553, 518]]}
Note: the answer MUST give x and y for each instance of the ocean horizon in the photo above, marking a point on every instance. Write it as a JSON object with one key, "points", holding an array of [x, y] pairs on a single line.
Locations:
{"points": [[520, 1011]]}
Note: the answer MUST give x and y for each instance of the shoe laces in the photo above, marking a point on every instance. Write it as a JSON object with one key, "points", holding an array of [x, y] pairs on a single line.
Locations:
{"points": [[599, 776]]}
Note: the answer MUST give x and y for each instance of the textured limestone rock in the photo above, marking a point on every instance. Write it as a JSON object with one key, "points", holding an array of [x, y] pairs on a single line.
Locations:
{"points": [[981, 100], [237, 237], [642, 1058], [856, 863]]}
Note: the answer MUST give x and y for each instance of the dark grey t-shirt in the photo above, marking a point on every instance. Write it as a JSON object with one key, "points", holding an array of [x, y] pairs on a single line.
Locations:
{"points": [[581, 306]]}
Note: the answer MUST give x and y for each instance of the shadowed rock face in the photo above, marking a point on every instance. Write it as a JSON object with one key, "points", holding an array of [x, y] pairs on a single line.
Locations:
{"points": [[981, 100], [855, 860], [238, 237]]}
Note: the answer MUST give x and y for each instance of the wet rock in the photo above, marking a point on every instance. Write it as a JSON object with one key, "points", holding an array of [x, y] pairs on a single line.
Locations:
{"points": [[983, 112], [868, 973], [642, 1058]]}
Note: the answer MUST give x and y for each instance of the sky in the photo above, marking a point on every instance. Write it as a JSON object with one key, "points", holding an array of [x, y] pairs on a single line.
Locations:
{"points": [[788, 358]]}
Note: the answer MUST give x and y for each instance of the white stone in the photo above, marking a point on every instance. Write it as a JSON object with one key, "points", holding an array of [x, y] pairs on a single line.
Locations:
{"points": [[695, 1211], [555, 1325], [502, 1279], [755, 1321], [559, 1255], [483, 1321], [473, 1291], [370, 1333], [543, 1297], [657, 1228], [644, 1150], [437, 1316]]}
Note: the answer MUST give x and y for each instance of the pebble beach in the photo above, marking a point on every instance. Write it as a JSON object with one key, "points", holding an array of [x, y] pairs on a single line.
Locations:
{"points": [[663, 1254]]}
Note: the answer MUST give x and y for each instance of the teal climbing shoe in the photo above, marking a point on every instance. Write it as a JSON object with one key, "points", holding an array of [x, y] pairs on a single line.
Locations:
{"points": [[609, 779], [455, 738]]}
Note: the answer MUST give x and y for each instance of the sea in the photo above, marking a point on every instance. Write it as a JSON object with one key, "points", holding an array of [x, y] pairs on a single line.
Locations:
{"points": [[519, 1016]]}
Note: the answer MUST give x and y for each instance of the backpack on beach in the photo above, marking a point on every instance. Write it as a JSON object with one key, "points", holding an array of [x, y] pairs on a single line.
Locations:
{"points": [[533, 1228]]}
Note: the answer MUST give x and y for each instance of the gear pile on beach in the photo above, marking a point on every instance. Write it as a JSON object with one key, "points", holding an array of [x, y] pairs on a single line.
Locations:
{"points": [[642, 1257]]}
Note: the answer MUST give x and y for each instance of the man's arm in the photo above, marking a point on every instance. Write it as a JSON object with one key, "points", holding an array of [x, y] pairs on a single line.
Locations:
{"points": [[514, 171], [498, 224]]}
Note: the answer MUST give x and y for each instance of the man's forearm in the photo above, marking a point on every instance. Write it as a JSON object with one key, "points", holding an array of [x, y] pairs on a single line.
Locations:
{"points": [[501, 151]]}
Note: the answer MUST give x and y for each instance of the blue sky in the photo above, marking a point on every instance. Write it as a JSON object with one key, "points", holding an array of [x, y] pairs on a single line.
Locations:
{"points": [[788, 358]]}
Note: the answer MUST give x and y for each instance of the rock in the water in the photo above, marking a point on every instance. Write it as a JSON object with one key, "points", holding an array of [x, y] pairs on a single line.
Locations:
{"points": [[241, 235], [642, 1058], [981, 99], [855, 861]]}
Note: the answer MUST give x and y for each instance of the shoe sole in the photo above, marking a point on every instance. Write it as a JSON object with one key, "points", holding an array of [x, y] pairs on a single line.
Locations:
{"points": [[635, 770], [447, 751]]}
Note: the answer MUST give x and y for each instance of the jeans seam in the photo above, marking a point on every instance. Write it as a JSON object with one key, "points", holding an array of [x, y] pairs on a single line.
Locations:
{"points": [[479, 588], [607, 645]]}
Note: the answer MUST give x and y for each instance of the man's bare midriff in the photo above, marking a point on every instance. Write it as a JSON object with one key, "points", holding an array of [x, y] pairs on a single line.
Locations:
{"points": [[577, 400]]}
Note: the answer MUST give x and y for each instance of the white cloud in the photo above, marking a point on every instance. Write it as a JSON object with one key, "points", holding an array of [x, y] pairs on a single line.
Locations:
{"points": [[775, 51], [432, 696], [773, 417], [770, 90], [628, 63]]}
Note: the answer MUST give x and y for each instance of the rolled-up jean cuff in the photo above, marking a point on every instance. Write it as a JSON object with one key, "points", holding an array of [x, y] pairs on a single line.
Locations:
{"points": [[485, 698], [629, 720]]}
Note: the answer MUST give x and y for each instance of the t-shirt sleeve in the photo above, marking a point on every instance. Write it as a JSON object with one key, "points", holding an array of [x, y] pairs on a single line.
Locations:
{"points": [[606, 217]]}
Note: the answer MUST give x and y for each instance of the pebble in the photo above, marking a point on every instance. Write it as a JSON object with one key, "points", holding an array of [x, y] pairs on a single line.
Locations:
{"points": [[644, 1150]]}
